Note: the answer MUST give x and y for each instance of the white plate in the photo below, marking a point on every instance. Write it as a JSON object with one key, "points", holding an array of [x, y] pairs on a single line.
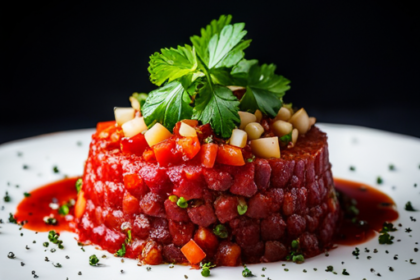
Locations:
{"points": [[370, 151]]}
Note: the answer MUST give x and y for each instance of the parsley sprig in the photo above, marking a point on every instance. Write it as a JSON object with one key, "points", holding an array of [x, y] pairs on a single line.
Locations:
{"points": [[194, 80]]}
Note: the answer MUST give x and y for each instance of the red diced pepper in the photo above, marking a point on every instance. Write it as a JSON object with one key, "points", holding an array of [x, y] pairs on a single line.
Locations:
{"points": [[149, 155], [230, 155], [193, 252], [208, 154], [100, 126], [166, 152], [190, 146], [134, 145]]}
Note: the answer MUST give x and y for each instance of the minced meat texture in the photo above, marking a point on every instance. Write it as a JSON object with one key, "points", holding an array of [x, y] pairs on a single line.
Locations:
{"points": [[286, 199]]}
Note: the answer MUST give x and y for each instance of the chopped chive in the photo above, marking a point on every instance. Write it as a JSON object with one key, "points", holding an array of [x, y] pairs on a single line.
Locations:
{"points": [[182, 202]]}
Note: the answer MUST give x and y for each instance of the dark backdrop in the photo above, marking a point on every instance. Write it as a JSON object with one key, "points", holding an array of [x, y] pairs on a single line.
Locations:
{"points": [[66, 65]]}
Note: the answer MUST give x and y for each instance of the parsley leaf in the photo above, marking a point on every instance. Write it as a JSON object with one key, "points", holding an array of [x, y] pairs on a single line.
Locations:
{"points": [[218, 106], [264, 89], [171, 64], [167, 105], [215, 27]]}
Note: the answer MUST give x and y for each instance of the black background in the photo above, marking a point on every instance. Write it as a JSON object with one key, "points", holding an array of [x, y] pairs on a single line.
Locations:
{"points": [[66, 65]]}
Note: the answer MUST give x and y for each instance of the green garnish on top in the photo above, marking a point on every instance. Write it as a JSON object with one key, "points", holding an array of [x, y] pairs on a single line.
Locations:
{"points": [[194, 80]]}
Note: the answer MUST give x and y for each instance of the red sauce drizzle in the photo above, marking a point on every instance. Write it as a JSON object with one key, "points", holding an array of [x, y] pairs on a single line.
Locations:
{"points": [[34, 208], [375, 208]]}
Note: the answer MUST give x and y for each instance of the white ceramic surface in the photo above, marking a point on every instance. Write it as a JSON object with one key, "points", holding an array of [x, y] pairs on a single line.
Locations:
{"points": [[369, 151]]}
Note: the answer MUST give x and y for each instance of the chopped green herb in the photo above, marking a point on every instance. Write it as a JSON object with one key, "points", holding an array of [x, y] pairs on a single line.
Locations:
{"points": [[50, 220], [93, 260], [409, 207], [379, 180], [209, 139], [388, 227], [356, 252], [120, 252], [57, 265], [27, 194], [194, 80], [247, 273], [182, 202], [79, 184], [330, 268], [391, 167], [298, 259], [173, 198], [11, 255], [408, 230], [295, 244], [220, 231], [412, 262], [7, 197], [352, 168], [45, 244], [53, 237], [63, 210], [205, 269], [251, 159], [391, 269], [286, 139], [56, 170], [386, 238], [12, 219], [128, 239], [242, 207]]}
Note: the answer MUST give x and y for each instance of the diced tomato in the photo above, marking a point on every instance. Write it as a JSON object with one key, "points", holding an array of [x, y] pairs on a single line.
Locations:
{"points": [[130, 204], [230, 155], [152, 253], [149, 155], [135, 185], [193, 252], [80, 206], [166, 152], [190, 146], [134, 145], [207, 240], [208, 154], [100, 126], [192, 123]]}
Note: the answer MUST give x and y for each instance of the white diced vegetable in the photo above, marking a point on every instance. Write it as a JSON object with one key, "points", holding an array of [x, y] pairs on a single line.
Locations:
{"points": [[123, 114], [187, 130], [300, 120], [238, 138], [254, 130], [266, 147], [312, 121], [283, 114], [281, 128], [246, 118], [295, 134], [157, 134], [258, 115], [134, 127], [135, 103], [235, 88]]}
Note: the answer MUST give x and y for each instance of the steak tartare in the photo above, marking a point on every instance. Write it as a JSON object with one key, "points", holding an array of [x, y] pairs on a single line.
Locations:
{"points": [[210, 167], [289, 198]]}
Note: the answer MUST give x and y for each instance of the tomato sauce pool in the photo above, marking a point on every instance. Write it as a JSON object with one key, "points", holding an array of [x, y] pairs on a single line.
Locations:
{"points": [[373, 206], [40, 205]]}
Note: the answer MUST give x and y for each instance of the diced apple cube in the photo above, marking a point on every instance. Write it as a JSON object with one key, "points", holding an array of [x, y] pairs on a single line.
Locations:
{"points": [[246, 118], [238, 138], [157, 134], [134, 127], [266, 147], [187, 130], [123, 114]]}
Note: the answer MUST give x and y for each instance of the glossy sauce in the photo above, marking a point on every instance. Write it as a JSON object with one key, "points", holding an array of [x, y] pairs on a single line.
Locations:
{"points": [[375, 208], [34, 208]]}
